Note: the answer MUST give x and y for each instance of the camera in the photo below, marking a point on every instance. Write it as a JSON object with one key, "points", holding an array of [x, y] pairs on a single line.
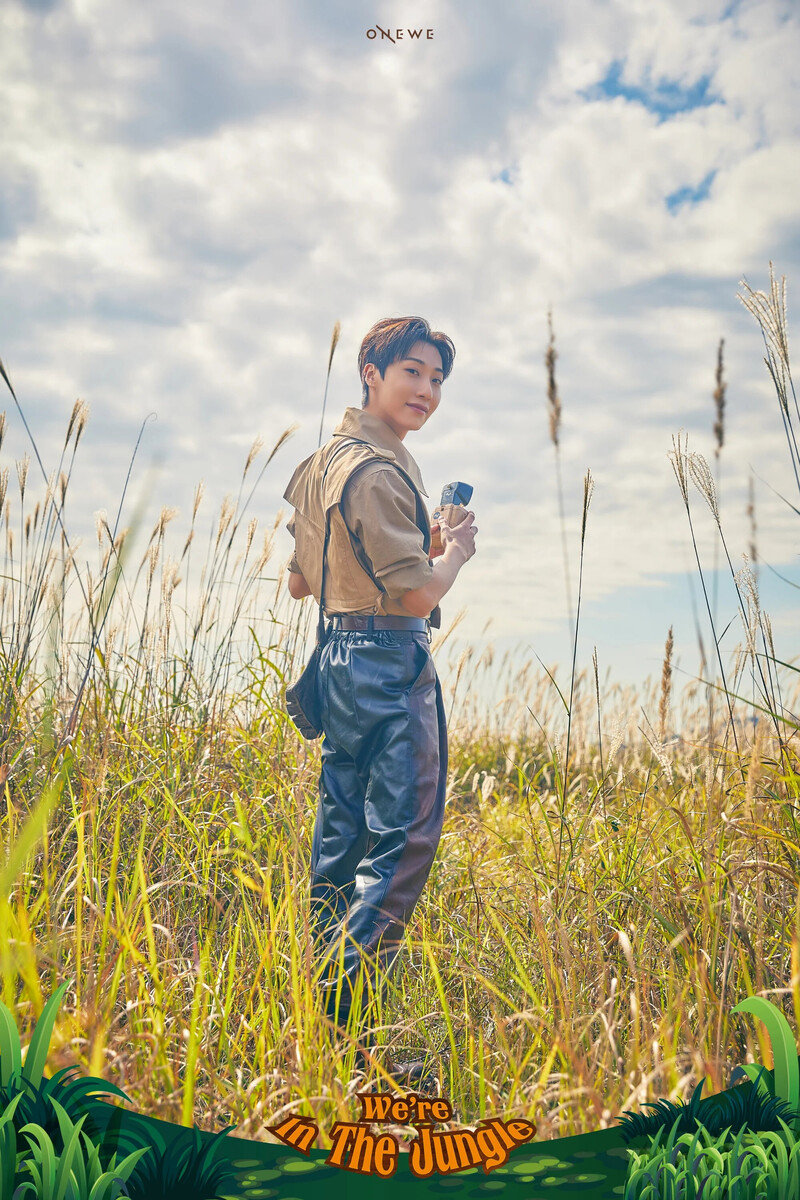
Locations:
{"points": [[451, 507]]}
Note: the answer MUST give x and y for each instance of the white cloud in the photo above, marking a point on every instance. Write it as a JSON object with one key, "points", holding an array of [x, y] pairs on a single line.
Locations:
{"points": [[191, 198]]}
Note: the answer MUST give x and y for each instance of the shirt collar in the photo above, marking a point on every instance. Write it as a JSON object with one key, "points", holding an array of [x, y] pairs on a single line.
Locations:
{"points": [[360, 423]]}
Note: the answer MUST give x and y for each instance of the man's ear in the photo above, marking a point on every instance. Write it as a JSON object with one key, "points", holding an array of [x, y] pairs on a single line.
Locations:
{"points": [[370, 371]]}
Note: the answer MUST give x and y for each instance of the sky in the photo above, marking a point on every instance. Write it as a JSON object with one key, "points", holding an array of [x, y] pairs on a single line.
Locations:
{"points": [[192, 195]]}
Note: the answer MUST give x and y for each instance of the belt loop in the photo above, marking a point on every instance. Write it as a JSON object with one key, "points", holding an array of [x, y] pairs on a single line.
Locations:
{"points": [[370, 625]]}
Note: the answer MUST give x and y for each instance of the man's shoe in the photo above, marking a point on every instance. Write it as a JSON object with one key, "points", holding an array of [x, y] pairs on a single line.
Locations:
{"points": [[414, 1074]]}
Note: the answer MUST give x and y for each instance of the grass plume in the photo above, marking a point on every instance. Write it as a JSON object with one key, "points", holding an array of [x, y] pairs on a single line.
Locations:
{"points": [[335, 335], [769, 311], [554, 420], [666, 687]]}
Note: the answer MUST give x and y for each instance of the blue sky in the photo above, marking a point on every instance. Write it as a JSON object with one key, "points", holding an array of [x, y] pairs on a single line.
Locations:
{"points": [[191, 197]]}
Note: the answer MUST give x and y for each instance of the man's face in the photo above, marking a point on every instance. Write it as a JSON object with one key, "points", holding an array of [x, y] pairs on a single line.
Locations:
{"points": [[410, 389]]}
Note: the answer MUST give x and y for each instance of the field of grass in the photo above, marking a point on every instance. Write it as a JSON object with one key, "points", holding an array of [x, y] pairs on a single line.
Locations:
{"points": [[615, 872]]}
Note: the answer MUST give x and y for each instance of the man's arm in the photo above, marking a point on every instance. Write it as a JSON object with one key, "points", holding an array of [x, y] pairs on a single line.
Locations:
{"points": [[297, 580], [459, 547], [298, 588]]}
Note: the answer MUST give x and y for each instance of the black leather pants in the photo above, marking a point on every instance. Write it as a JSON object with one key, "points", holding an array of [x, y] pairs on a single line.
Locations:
{"points": [[381, 804]]}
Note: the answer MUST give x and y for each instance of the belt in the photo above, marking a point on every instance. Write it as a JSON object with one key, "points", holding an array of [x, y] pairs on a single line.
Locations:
{"points": [[416, 624]]}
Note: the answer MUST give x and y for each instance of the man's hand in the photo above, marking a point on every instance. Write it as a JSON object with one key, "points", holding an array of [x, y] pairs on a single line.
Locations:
{"points": [[436, 550], [461, 536]]}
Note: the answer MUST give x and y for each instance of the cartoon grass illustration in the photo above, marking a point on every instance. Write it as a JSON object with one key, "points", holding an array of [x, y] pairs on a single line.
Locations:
{"points": [[25, 1086], [748, 1166], [743, 1142], [756, 1108], [45, 1151], [77, 1171], [786, 1083], [712, 1148]]}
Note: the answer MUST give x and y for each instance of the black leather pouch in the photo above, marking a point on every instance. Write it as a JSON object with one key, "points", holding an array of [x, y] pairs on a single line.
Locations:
{"points": [[304, 699]]}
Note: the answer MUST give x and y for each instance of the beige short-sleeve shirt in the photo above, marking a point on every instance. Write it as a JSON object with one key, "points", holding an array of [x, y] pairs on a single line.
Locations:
{"points": [[380, 509], [381, 512]]}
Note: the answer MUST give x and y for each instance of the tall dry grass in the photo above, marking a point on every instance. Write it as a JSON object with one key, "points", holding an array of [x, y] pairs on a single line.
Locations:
{"points": [[614, 874]]}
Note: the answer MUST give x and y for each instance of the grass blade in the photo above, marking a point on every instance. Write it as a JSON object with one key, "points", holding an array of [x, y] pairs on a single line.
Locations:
{"points": [[784, 1048]]}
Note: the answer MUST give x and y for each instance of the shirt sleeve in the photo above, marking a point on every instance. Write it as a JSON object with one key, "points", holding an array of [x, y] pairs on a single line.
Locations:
{"points": [[380, 509], [294, 565]]}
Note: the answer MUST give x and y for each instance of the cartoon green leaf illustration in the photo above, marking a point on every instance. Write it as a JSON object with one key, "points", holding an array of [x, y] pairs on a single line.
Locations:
{"points": [[40, 1041], [10, 1049], [784, 1048], [757, 1075]]}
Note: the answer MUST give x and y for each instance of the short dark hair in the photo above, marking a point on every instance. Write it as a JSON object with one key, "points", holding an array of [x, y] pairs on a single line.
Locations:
{"points": [[391, 340]]}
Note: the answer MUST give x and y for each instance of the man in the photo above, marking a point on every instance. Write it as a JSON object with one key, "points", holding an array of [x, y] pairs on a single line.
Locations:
{"points": [[384, 753]]}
